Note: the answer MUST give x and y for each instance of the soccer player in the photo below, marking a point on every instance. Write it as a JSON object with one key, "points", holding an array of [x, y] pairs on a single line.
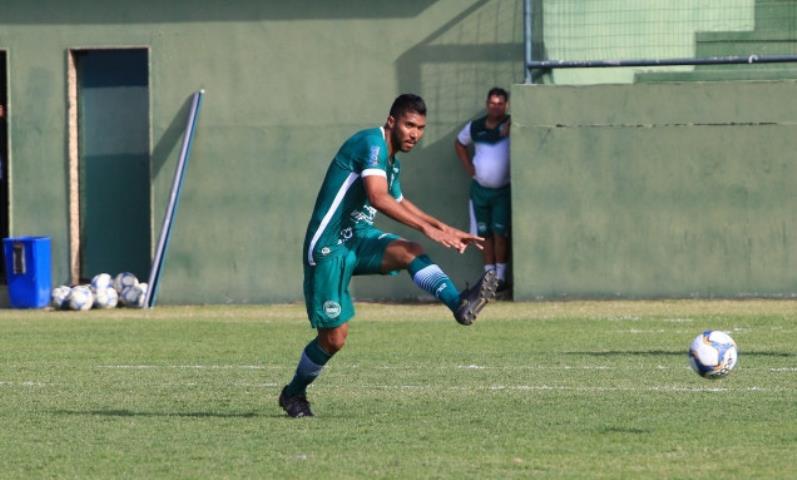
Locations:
{"points": [[489, 191], [341, 241]]}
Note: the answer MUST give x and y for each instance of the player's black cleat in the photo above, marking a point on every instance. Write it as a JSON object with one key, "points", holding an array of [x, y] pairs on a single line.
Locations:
{"points": [[296, 406], [504, 290], [473, 299]]}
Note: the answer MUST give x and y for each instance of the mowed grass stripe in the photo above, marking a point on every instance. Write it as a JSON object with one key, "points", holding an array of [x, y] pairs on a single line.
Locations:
{"points": [[533, 390]]}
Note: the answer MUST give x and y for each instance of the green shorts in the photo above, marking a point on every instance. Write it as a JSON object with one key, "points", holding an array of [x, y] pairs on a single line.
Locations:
{"points": [[326, 285], [491, 209]]}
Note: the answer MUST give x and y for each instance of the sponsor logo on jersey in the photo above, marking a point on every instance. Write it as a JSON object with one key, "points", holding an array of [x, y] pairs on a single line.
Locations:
{"points": [[367, 215], [373, 156], [325, 251], [332, 309]]}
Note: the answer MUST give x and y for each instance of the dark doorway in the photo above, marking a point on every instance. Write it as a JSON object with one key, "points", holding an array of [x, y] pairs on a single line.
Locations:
{"points": [[114, 168], [4, 210]]}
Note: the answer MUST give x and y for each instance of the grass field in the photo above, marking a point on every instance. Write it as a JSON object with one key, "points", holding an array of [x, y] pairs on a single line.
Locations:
{"points": [[533, 390]]}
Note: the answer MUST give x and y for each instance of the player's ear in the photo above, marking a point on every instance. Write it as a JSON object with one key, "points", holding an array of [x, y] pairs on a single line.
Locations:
{"points": [[391, 122]]}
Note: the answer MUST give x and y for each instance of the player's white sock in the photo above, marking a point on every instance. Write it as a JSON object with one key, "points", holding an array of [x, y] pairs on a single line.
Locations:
{"points": [[500, 271], [489, 266], [429, 277]]}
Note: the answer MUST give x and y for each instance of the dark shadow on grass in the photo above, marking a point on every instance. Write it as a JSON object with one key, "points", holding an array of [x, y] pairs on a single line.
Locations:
{"points": [[130, 413], [637, 431], [645, 353]]}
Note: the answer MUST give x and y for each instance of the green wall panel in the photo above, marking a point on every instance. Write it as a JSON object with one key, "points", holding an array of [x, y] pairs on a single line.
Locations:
{"points": [[286, 83], [632, 199]]}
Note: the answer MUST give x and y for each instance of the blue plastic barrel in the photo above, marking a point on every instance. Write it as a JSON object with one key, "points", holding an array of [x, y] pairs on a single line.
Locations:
{"points": [[28, 271]]}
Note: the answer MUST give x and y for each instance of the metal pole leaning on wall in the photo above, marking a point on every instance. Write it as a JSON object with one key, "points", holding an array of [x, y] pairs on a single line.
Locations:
{"points": [[174, 200], [527, 31]]}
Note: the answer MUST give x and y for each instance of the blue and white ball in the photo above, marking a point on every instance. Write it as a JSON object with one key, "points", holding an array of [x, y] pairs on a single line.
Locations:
{"points": [[59, 297], [713, 354], [124, 280], [105, 297], [100, 281], [81, 298], [135, 296]]}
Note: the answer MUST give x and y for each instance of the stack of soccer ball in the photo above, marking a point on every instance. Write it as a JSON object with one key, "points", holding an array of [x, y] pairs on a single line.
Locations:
{"points": [[103, 292]]}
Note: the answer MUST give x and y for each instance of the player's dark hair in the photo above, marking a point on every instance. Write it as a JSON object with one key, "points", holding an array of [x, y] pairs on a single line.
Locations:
{"points": [[407, 103], [498, 92]]}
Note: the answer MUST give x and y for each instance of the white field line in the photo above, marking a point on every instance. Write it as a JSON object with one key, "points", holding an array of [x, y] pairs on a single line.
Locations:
{"points": [[540, 367], [658, 331], [170, 385], [663, 388], [387, 367], [188, 367], [525, 367], [428, 368]]}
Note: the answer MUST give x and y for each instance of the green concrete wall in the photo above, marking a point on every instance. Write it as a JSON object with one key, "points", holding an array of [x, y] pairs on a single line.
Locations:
{"points": [[650, 190], [286, 83]]}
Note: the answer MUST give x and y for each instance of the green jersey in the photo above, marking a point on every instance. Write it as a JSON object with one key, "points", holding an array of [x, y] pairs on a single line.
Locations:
{"points": [[342, 205]]}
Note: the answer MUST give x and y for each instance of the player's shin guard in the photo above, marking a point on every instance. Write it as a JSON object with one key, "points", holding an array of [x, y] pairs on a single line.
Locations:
{"points": [[431, 278], [310, 365]]}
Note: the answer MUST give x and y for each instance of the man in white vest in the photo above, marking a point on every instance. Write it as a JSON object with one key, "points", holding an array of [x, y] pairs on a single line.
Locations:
{"points": [[490, 197]]}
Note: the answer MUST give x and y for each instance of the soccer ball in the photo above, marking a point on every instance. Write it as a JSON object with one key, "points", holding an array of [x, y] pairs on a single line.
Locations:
{"points": [[59, 296], [100, 281], [135, 295], [713, 354], [105, 297], [124, 280], [81, 298]]}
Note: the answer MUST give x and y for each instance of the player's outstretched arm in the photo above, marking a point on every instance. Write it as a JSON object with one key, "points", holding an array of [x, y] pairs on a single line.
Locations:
{"points": [[464, 237], [379, 198], [413, 209]]}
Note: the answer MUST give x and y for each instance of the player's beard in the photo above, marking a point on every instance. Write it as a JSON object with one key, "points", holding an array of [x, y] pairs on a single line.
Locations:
{"points": [[398, 143]]}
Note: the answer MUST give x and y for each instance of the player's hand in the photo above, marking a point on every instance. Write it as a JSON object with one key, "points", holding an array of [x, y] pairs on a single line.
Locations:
{"points": [[440, 236], [467, 239], [452, 238]]}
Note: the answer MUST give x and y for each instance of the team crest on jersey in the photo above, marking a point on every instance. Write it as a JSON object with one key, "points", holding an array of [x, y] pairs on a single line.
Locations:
{"points": [[332, 309], [373, 156]]}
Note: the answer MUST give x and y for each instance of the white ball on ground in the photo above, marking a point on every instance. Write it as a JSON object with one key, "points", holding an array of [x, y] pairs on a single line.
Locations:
{"points": [[101, 280], [105, 298], [81, 298], [134, 296], [59, 296], [124, 280], [713, 354]]}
